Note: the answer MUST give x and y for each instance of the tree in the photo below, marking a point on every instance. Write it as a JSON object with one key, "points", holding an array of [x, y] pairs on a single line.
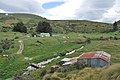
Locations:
{"points": [[20, 27], [44, 27], [115, 27]]}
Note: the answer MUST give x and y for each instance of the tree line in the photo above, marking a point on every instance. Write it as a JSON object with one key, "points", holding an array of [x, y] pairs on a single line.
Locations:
{"points": [[42, 27], [45, 27]]}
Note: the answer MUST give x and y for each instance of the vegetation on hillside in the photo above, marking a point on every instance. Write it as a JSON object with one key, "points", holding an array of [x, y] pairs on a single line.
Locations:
{"points": [[67, 35], [30, 20], [110, 46], [44, 27], [66, 26], [5, 45], [20, 27], [115, 26]]}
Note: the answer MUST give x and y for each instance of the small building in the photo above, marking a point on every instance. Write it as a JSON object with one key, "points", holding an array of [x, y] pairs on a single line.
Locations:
{"points": [[69, 62], [95, 59], [44, 34], [64, 60]]}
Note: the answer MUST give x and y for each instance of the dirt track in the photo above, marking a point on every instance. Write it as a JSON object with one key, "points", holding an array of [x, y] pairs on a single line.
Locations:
{"points": [[21, 47]]}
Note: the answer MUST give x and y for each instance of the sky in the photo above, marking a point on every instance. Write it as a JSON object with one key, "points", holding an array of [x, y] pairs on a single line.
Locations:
{"points": [[94, 10]]}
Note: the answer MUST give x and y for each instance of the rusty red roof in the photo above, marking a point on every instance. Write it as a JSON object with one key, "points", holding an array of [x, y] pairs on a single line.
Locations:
{"points": [[98, 54], [73, 59]]}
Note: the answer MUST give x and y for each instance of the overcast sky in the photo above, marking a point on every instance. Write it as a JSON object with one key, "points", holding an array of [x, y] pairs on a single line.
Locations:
{"points": [[95, 10]]}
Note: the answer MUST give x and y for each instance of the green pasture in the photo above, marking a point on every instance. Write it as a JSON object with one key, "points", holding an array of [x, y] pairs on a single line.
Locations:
{"points": [[40, 49]]}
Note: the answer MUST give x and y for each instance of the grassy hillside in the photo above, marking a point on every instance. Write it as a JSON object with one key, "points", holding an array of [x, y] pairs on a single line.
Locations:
{"points": [[68, 37], [38, 49], [110, 46], [65, 26], [106, 73], [30, 20], [59, 26]]}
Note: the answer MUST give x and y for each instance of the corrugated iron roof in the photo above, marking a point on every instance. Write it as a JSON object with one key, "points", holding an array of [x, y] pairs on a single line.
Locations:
{"points": [[67, 63], [66, 59], [70, 61], [98, 54], [73, 59]]}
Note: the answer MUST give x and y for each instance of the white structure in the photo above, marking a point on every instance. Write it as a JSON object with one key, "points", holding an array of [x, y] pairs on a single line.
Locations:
{"points": [[6, 14], [71, 52], [65, 59], [44, 34], [30, 68], [69, 61]]}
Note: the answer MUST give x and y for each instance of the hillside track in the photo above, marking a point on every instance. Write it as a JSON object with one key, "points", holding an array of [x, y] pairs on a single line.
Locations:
{"points": [[21, 47]]}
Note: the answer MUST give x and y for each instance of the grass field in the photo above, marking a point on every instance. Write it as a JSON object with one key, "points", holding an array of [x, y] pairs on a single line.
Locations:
{"points": [[40, 49], [51, 46]]}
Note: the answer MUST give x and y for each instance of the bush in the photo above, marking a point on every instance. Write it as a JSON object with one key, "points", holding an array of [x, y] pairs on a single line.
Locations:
{"points": [[20, 27], [16, 37], [88, 40], [6, 44], [43, 73], [39, 42], [4, 30], [62, 54], [33, 33], [1, 50], [115, 38], [77, 66]]}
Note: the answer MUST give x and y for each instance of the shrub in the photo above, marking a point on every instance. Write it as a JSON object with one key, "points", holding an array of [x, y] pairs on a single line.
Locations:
{"points": [[4, 30], [33, 33], [39, 42], [62, 54], [20, 27], [115, 38], [1, 50], [43, 73], [16, 37], [88, 40], [6, 44]]}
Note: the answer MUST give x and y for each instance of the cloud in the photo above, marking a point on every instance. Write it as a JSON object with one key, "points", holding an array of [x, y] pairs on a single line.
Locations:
{"points": [[46, 1], [24, 6], [82, 9], [29, 6], [94, 9], [2, 11], [113, 13], [64, 11]]}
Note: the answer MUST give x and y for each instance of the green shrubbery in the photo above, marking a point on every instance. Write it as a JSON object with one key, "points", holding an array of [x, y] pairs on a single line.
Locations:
{"points": [[5, 45], [20, 27]]}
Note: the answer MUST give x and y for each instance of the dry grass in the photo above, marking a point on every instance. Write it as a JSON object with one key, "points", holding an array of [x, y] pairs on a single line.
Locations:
{"points": [[106, 73]]}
